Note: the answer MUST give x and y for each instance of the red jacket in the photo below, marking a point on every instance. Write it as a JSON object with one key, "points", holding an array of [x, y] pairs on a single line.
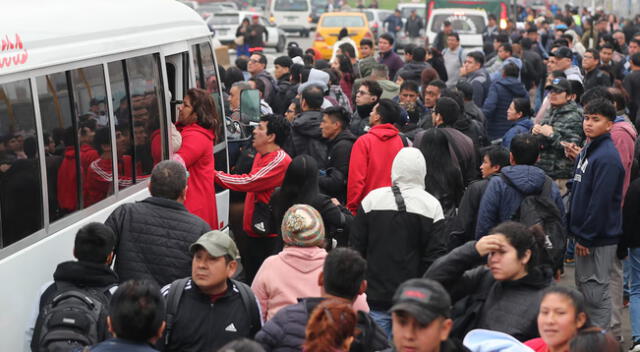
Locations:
{"points": [[537, 344], [196, 153], [370, 165], [67, 178], [99, 180], [266, 174]]}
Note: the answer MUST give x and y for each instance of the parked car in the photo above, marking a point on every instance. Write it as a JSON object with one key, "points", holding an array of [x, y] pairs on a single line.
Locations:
{"points": [[330, 24], [406, 8], [225, 24], [208, 9], [292, 15], [468, 23], [376, 19]]}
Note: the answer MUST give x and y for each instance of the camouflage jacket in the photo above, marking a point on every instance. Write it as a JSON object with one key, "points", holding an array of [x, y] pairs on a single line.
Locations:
{"points": [[567, 127]]}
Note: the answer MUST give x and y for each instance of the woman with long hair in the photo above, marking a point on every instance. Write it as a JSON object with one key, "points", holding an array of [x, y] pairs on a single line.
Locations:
{"points": [[496, 283], [444, 179], [434, 57], [300, 186], [519, 111], [343, 65], [562, 315], [241, 32], [331, 328], [198, 124]]}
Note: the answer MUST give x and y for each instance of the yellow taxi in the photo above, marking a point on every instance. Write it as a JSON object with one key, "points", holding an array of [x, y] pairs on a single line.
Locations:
{"points": [[329, 26]]}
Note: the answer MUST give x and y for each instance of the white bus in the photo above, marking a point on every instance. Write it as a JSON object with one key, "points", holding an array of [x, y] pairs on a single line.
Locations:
{"points": [[67, 66]]}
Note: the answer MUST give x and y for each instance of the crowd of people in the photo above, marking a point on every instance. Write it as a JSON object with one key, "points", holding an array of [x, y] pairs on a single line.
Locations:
{"points": [[425, 202]]}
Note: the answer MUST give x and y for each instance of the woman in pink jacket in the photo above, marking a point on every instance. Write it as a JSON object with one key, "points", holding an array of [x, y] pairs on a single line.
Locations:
{"points": [[197, 123], [293, 273]]}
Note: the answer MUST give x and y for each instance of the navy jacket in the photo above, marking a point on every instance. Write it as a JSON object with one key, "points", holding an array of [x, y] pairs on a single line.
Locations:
{"points": [[500, 201], [522, 125], [595, 217], [120, 345], [500, 96]]}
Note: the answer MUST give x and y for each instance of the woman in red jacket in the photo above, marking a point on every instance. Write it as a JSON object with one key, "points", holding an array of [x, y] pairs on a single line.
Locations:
{"points": [[197, 123]]}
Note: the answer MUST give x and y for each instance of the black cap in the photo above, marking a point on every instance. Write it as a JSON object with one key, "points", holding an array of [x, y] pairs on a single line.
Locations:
{"points": [[283, 61], [423, 299], [563, 53], [560, 83]]}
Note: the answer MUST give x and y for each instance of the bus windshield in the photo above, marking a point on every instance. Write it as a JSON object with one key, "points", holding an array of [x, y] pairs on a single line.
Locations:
{"points": [[291, 5], [463, 23]]}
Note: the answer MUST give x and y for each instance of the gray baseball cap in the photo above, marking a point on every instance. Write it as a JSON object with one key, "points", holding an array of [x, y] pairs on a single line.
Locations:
{"points": [[217, 243]]}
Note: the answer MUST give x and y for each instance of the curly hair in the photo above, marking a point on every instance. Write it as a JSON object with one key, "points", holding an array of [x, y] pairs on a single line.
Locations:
{"points": [[330, 325]]}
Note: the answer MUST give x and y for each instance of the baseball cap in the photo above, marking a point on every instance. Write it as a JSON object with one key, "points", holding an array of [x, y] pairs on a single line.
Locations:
{"points": [[217, 243], [255, 17], [424, 299], [563, 53], [560, 83]]}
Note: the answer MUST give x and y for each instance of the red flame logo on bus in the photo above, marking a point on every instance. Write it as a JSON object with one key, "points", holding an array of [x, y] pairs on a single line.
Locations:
{"points": [[12, 53]]}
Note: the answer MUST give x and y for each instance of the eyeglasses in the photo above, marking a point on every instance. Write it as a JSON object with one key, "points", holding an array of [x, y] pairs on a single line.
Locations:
{"points": [[254, 61], [362, 92], [291, 111]]}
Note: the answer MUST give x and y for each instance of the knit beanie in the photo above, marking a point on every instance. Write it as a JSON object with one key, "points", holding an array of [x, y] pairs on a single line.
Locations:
{"points": [[302, 226]]}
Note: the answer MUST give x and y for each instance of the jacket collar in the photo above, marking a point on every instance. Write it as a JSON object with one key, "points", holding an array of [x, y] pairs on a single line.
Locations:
{"points": [[164, 202], [85, 274]]}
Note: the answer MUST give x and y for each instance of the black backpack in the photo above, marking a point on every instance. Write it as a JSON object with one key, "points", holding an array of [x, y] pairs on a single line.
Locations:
{"points": [[175, 294], [76, 317], [539, 209]]}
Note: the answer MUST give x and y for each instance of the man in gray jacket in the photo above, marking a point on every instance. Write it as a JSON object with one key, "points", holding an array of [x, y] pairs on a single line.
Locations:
{"points": [[153, 235]]}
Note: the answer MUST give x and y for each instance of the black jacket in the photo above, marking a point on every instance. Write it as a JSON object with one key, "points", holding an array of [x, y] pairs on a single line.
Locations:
{"points": [[398, 245], [307, 137], [464, 225], [153, 238], [285, 332], [450, 345], [630, 219], [596, 78], [413, 70], [509, 306], [282, 97], [81, 274], [205, 324], [334, 180]]}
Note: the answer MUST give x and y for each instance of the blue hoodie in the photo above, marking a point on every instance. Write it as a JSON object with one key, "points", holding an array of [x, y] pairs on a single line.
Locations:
{"points": [[500, 201], [595, 212], [500, 96], [522, 125]]}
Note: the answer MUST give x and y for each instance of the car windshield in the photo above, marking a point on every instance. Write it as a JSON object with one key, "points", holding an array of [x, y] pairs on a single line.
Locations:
{"points": [[319, 3], [224, 20], [291, 5], [210, 8], [462, 23], [420, 11], [342, 21]]}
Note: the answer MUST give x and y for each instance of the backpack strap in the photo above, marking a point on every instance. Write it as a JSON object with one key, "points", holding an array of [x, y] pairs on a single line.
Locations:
{"points": [[250, 305], [399, 200], [173, 302]]}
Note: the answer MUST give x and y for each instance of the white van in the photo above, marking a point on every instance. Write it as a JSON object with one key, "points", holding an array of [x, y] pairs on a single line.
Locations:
{"points": [[125, 67], [469, 24], [292, 15]]}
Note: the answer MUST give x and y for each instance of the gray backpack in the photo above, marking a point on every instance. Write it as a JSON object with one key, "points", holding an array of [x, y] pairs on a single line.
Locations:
{"points": [[75, 318]]}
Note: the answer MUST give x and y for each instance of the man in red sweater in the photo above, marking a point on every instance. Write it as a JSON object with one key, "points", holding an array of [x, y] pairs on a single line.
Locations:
{"points": [[267, 173], [373, 154]]}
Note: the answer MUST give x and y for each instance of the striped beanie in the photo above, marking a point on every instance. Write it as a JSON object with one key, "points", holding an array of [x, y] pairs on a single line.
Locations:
{"points": [[302, 226]]}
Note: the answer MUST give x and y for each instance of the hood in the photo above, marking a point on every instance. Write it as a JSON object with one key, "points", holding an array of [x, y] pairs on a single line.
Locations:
{"points": [[345, 135], [462, 124], [409, 169], [525, 122], [388, 85], [526, 178], [303, 259], [416, 66], [384, 132], [513, 85], [70, 152], [316, 77], [481, 340], [308, 123], [195, 128], [624, 126], [85, 274], [482, 72], [573, 73]]}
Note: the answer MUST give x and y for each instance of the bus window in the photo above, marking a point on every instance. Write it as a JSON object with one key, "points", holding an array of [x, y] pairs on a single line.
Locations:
{"points": [[205, 68], [138, 133], [20, 182], [64, 182], [89, 93]]}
